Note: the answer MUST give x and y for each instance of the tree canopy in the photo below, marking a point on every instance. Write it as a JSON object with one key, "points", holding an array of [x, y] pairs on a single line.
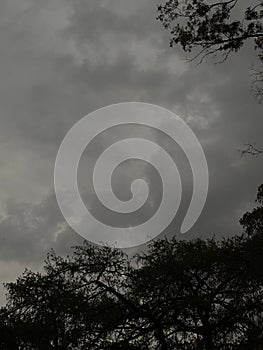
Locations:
{"points": [[200, 294], [216, 28]]}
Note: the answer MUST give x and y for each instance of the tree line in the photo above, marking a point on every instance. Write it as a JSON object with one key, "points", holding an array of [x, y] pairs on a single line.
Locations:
{"points": [[199, 294]]}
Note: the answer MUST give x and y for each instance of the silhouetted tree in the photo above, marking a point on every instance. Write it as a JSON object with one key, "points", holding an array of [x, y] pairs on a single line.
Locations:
{"points": [[253, 221], [216, 28], [201, 294]]}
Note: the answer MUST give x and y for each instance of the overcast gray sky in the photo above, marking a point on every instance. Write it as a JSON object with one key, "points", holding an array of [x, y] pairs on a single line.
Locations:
{"points": [[63, 59]]}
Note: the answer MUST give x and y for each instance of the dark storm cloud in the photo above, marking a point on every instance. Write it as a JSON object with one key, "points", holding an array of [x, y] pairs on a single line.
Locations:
{"points": [[62, 60], [27, 233]]}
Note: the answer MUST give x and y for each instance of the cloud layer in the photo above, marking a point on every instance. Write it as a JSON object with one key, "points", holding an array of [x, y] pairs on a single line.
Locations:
{"points": [[61, 60]]}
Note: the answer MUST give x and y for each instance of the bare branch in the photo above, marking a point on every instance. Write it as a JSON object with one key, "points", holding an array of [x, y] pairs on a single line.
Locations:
{"points": [[251, 149]]}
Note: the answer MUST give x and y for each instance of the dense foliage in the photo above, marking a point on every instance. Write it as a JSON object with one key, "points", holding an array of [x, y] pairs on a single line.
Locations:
{"points": [[179, 295]]}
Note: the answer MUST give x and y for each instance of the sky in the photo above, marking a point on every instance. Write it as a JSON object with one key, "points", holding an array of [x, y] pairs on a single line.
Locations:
{"points": [[61, 60]]}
